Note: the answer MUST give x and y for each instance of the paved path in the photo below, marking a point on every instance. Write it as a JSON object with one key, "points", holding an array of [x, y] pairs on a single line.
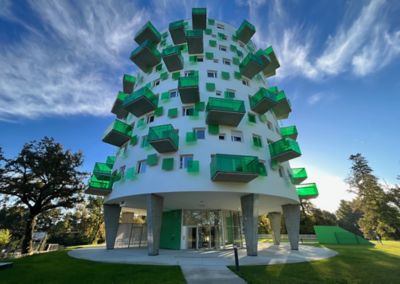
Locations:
{"points": [[208, 266]]}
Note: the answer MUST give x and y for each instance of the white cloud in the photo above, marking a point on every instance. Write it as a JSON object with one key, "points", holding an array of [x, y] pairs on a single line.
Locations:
{"points": [[315, 98]]}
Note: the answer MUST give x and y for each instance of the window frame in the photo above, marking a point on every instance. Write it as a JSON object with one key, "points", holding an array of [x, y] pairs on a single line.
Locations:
{"points": [[236, 138], [183, 162]]}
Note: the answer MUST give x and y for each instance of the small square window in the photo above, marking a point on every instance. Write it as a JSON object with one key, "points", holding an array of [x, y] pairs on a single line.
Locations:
{"points": [[221, 136], [189, 73], [281, 172], [236, 136], [269, 124], [229, 94], [200, 133], [188, 111], [226, 61], [150, 118], [222, 48], [156, 82], [141, 166], [245, 82], [216, 60], [257, 140], [200, 58], [173, 93], [184, 161], [220, 26], [212, 74], [218, 93]]}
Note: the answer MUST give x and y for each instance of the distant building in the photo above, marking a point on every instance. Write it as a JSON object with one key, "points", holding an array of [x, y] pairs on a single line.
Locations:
{"points": [[200, 147]]}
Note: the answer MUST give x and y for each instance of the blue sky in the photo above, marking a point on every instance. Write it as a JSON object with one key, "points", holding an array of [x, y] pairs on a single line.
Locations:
{"points": [[61, 64]]}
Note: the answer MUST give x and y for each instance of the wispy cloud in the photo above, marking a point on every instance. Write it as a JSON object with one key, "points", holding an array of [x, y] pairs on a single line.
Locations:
{"points": [[315, 98]]}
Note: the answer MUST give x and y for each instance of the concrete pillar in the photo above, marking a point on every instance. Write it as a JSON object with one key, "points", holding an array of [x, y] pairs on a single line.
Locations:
{"points": [[292, 221], [154, 205], [275, 222], [250, 222], [111, 221]]}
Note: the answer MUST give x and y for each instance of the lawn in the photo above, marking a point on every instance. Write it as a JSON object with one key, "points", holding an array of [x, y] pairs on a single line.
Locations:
{"points": [[58, 267], [354, 264]]}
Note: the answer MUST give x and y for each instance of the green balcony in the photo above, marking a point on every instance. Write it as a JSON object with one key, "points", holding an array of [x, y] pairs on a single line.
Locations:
{"points": [[298, 175], [177, 31], [307, 191], [251, 65], [245, 32], [199, 18], [128, 83], [289, 132], [118, 108], [163, 138], [284, 150], [194, 39], [110, 160], [102, 171], [189, 88], [282, 107], [224, 111], [118, 133], [270, 69], [262, 101], [146, 56], [234, 168], [148, 33], [99, 187], [172, 58], [141, 102]]}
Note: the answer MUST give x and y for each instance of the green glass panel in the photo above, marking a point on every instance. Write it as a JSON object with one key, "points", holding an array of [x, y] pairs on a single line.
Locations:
{"points": [[159, 111], [298, 175], [130, 173], [289, 131], [284, 145], [213, 129], [134, 140], [159, 67], [148, 32], [239, 53], [176, 75], [189, 81], [101, 169], [225, 105], [209, 55], [252, 118], [210, 87], [193, 166], [168, 164], [192, 59], [141, 123], [237, 75], [257, 141], [234, 164], [211, 22], [229, 95], [308, 190], [144, 92], [262, 169], [274, 165], [208, 31], [222, 36], [100, 184], [145, 142], [235, 61], [212, 43], [152, 159], [165, 96], [173, 112], [162, 132], [200, 106], [164, 76], [119, 126], [225, 75], [110, 160], [191, 137], [233, 48]]}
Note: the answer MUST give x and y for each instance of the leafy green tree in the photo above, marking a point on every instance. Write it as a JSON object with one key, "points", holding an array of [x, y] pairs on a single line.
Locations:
{"points": [[42, 177], [348, 215], [310, 216]]}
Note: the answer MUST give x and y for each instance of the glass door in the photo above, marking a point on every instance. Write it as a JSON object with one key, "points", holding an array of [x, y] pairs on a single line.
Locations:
{"points": [[191, 237]]}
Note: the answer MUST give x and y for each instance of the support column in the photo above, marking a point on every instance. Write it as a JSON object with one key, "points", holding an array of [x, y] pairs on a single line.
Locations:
{"points": [[154, 205], [250, 222], [292, 221], [111, 221], [275, 222]]}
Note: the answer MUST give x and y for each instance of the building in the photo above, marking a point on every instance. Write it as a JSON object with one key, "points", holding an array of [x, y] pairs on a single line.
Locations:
{"points": [[199, 144]]}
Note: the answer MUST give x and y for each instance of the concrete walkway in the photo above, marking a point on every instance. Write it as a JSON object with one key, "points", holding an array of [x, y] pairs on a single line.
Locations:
{"points": [[206, 266]]}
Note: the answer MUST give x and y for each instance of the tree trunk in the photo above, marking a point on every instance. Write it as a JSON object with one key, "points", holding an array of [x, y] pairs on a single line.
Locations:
{"points": [[27, 241]]}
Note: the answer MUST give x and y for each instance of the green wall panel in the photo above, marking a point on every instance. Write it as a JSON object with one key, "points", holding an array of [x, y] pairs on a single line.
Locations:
{"points": [[171, 230]]}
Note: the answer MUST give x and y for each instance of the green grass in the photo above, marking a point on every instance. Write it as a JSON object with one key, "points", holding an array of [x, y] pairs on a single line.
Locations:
{"points": [[354, 264], [58, 267]]}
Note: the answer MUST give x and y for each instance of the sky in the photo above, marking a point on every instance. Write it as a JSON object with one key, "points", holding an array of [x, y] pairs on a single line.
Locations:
{"points": [[61, 66]]}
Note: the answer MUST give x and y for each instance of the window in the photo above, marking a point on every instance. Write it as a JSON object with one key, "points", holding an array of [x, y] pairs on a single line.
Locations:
{"points": [[281, 172], [214, 36], [229, 94], [216, 60], [245, 82], [200, 133], [222, 48], [184, 161], [141, 167], [150, 118], [226, 61], [212, 74], [145, 143], [269, 124], [269, 141], [199, 58], [189, 73], [257, 140], [221, 136], [156, 82], [218, 93], [220, 26], [236, 136], [187, 110], [173, 93]]}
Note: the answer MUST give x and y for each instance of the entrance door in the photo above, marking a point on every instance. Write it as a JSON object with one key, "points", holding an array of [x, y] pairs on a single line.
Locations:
{"points": [[191, 236], [207, 237]]}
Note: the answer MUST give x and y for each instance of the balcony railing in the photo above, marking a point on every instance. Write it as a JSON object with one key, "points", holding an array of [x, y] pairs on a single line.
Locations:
{"points": [[118, 108], [128, 83], [146, 56], [148, 32], [117, 133], [99, 187], [102, 171], [245, 32], [282, 107], [194, 39], [189, 88], [177, 31], [298, 175], [172, 58], [262, 101], [199, 18], [234, 168], [270, 69], [284, 150], [289, 132], [251, 65], [307, 191], [141, 102], [163, 138], [224, 111]]}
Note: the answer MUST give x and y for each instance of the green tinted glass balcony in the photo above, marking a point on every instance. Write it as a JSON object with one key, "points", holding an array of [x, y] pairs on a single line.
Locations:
{"points": [[177, 31], [146, 56], [270, 69], [282, 107], [194, 40], [199, 18], [224, 111], [118, 108], [298, 175], [148, 32], [141, 102], [189, 88], [251, 65], [262, 101], [163, 138], [289, 132], [99, 187], [128, 83], [284, 150], [102, 171], [117, 133], [245, 32], [307, 191], [172, 58], [110, 160], [234, 168]]}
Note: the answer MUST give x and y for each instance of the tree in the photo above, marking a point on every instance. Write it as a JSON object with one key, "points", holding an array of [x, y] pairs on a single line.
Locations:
{"points": [[311, 216], [348, 215], [5, 237], [42, 177]]}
